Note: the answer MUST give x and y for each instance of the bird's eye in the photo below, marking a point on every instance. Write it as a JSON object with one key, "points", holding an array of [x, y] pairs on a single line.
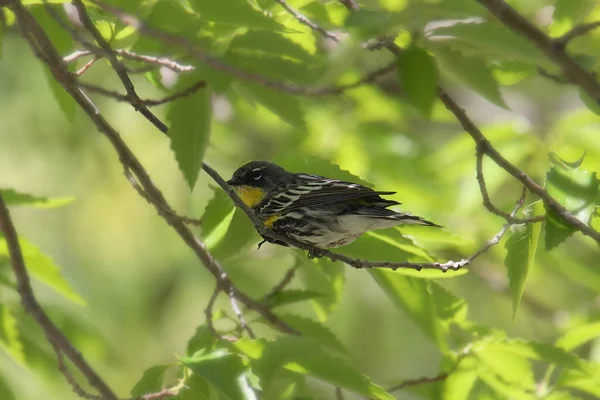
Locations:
{"points": [[256, 174]]}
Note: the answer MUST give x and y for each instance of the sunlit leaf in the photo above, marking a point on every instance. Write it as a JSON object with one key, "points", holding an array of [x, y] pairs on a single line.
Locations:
{"points": [[285, 106], [521, 247], [418, 76], [234, 12], [190, 119], [577, 380], [577, 190], [224, 371], [579, 335], [43, 268], [12, 197], [298, 354], [10, 337], [430, 306], [151, 381]]}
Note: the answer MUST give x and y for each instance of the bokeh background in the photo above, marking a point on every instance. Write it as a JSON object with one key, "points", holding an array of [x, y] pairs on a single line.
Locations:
{"points": [[142, 290]]}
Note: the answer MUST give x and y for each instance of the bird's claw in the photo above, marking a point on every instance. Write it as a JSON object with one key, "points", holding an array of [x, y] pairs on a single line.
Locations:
{"points": [[315, 253]]}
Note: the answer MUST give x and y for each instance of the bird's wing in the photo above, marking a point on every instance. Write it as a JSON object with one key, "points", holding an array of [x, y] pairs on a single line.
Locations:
{"points": [[307, 190]]}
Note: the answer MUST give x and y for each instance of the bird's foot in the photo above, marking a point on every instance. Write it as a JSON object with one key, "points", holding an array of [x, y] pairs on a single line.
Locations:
{"points": [[315, 253]]}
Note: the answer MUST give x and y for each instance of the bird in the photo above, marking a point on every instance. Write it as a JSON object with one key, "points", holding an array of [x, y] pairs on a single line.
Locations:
{"points": [[316, 210]]}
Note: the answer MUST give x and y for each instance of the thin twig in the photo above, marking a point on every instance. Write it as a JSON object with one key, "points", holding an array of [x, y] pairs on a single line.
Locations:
{"points": [[558, 79], [579, 30], [303, 19], [39, 40], [287, 278], [238, 312], [438, 378], [116, 65], [146, 102], [157, 61], [208, 311], [86, 66], [339, 394], [195, 51], [30, 303], [488, 203], [77, 389], [554, 50]]}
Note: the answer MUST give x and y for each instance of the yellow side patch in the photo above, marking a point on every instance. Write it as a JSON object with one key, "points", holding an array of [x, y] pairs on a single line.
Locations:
{"points": [[251, 196], [271, 220]]}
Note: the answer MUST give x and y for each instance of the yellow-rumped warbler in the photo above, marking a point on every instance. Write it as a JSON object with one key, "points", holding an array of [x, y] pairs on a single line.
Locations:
{"points": [[313, 209]]}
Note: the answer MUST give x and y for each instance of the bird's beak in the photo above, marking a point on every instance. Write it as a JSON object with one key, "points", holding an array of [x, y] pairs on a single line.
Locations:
{"points": [[233, 182]]}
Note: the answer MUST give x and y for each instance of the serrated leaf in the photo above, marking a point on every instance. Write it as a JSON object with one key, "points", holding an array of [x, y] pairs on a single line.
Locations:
{"points": [[151, 381], [579, 335], [315, 330], [298, 354], [224, 371], [494, 40], [190, 119], [326, 277], [285, 106], [521, 247], [577, 190], [292, 296], [418, 77], [196, 388], [12, 197], [44, 269], [10, 338], [513, 368], [234, 12], [471, 71], [430, 306]]}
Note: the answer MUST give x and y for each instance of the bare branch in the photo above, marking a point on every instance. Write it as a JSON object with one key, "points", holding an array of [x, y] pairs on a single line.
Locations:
{"points": [[488, 203], [145, 102], [287, 278], [554, 50], [86, 66], [238, 312], [77, 389], [579, 30], [305, 21], [38, 39], [30, 303], [208, 311], [215, 63]]}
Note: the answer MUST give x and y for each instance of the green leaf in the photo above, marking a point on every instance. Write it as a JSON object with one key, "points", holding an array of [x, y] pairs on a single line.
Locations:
{"points": [[63, 42], [577, 190], [471, 71], [323, 276], [521, 247], [494, 40], [589, 102], [10, 338], [12, 197], [578, 380], [286, 106], [5, 391], [234, 12], [429, 305], [298, 354], [190, 119], [196, 388], [43, 268], [577, 336], [151, 381], [513, 368], [315, 330], [224, 371], [292, 296], [418, 76], [203, 339], [270, 43]]}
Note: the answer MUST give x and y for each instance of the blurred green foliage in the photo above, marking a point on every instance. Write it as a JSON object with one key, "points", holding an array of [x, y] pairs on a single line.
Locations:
{"points": [[523, 319]]}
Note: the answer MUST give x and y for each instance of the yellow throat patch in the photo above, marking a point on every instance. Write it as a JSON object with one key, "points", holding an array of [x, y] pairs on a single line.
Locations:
{"points": [[251, 196]]}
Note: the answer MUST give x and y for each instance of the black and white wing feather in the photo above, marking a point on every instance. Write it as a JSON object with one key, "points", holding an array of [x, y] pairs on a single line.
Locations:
{"points": [[304, 190]]}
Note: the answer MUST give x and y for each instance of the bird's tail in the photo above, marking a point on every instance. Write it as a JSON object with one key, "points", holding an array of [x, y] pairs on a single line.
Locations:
{"points": [[413, 219]]}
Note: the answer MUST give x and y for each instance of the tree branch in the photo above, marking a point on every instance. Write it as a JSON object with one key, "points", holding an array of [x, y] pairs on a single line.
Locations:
{"points": [[554, 50], [579, 30], [483, 143], [43, 47], [33, 308], [303, 19]]}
